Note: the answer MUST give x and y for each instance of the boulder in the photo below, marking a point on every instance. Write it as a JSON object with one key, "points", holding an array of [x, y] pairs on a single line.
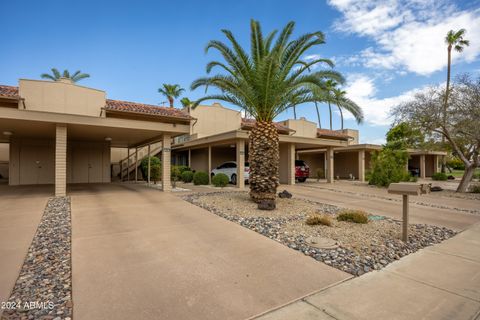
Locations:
{"points": [[266, 205], [436, 188], [284, 194], [450, 177]]}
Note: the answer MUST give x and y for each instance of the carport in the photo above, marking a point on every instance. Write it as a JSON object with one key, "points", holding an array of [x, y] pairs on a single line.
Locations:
{"points": [[61, 133]]}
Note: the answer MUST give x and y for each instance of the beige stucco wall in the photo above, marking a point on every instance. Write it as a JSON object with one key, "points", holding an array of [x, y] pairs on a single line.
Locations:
{"points": [[354, 134], [118, 154], [315, 161], [4, 150], [214, 119], [346, 163], [199, 159], [301, 127], [32, 161], [61, 97]]}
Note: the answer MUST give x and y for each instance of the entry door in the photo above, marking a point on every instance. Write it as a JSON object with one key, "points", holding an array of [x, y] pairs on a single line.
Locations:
{"points": [[37, 164], [87, 164]]}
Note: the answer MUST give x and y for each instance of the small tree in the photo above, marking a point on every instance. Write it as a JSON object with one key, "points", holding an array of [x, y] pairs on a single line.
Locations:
{"points": [[144, 166], [426, 112]]}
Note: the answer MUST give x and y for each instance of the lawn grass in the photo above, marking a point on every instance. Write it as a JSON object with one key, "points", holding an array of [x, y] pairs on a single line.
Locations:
{"points": [[459, 173]]}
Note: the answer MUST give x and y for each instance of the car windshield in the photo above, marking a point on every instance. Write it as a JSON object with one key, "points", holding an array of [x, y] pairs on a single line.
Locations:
{"points": [[247, 164]]}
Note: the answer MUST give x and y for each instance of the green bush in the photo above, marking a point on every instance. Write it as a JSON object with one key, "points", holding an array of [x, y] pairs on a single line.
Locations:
{"points": [[220, 180], [476, 175], [388, 166], [155, 172], [355, 216], [200, 178], [317, 219], [475, 188], [456, 164], [413, 178], [440, 176], [319, 174], [144, 166], [187, 176]]}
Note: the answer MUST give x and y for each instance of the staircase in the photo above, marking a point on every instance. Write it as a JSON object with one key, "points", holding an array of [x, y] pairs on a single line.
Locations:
{"points": [[129, 164]]}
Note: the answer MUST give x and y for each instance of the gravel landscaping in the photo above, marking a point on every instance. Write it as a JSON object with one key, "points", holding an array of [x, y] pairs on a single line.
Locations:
{"points": [[44, 287], [360, 248]]}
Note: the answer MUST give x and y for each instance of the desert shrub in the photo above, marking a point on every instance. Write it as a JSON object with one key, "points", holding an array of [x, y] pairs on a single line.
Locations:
{"points": [[319, 174], [317, 219], [220, 180], [355, 216], [155, 172], [144, 166], [187, 176], [475, 188], [388, 166], [413, 178], [200, 178], [440, 176]]}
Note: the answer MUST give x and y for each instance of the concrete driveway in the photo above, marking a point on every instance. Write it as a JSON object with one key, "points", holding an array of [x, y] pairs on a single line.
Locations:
{"points": [[139, 253], [20, 211]]}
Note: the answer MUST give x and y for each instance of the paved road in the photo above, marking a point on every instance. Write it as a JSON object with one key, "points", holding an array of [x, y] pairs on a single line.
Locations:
{"points": [[20, 211], [418, 213], [438, 283], [139, 253]]}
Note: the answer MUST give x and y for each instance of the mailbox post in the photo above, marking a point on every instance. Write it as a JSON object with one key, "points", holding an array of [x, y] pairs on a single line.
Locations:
{"points": [[407, 189]]}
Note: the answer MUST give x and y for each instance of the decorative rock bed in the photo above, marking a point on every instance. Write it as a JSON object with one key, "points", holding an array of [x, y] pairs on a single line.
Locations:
{"points": [[361, 247], [44, 287]]}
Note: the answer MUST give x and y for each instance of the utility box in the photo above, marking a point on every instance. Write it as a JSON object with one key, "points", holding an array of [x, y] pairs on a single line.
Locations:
{"points": [[406, 189]]}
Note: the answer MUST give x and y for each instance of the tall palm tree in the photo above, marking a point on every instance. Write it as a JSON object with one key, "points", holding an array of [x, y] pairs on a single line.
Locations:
{"points": [[56, 75], [453, 40], [171, 91], [265, 82], [342, 102], [330, 85]]}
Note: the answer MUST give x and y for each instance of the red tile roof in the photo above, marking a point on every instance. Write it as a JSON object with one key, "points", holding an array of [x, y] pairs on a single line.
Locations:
{"points": [[250, 123], [147, 109], [9, 92], [326, 133]]}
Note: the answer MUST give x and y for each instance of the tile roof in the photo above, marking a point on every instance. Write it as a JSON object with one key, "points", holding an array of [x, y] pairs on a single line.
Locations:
{"points": [[250, 123], [326, 133], [9, 92], [147, 109]]}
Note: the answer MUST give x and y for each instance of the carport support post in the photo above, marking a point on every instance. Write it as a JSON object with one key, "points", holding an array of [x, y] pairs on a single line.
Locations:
{"points": [[291, 163], [422, 166], [405, 218], [240, 163], [128, 164], [166, 162], [136, 164], [61, 160], [148, 167], [361, 165], [330, 173], [209, 164], [190, 158]]}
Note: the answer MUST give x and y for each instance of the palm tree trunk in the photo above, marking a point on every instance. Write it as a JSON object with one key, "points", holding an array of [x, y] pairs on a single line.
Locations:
{"points": [[170, 100], [445, 106], [341, 115], [318, 116], [330, 110], [294, 113], [264, 161]]}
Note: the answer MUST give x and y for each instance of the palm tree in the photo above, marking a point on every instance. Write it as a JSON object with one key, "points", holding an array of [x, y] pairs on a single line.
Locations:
{"points": [[265, 82], [56, 75], [342, 102], [330, 85], [171, 91], [186, 102], [453, 40]]}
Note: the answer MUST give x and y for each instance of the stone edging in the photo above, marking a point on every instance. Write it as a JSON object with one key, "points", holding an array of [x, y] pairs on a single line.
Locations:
{"points": [[43, 289]]}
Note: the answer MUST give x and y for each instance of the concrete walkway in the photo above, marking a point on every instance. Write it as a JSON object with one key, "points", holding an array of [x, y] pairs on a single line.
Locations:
{"points": [[139, 253], [20, 211], [439, 282], [418, 213]]}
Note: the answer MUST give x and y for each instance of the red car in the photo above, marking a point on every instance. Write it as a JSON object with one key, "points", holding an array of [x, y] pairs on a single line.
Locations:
{"points": [[302, 171]]}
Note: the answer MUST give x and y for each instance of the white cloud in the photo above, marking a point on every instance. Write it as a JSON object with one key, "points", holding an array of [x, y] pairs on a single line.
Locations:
{"points": [[408, 34], [361, 89]]}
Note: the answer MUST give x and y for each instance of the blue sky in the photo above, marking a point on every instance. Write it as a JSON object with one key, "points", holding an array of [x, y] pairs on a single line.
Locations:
{"points": [[387, 49]]}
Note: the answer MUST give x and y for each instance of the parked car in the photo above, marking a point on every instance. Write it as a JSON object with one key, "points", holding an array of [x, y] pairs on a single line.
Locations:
{"points": [[302, 171], [414, 172], [230, 169]]}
